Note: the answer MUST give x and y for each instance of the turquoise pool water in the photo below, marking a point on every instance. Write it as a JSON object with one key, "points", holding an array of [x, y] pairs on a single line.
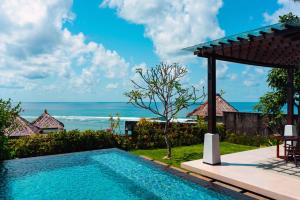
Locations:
{"points": [[105, 174]]}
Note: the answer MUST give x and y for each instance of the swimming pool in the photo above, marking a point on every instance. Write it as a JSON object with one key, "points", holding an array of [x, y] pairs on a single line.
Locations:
{"points": [[103, 174]]}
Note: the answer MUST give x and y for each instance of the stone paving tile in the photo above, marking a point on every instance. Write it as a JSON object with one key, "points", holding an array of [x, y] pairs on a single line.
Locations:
{"points": [[280, 166], [147, 158], [200, 176], [296, 169], [179, 169], [255, 196], [290, 172], [286, 167], [277, 169], [228, 186], [297, 174], [161, 163]]}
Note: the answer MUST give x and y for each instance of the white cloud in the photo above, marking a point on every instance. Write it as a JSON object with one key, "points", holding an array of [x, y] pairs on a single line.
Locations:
{"points": [[221, 70], [254, 76], [201, 84], [33, 27], [260, 71], [286, 6], [34, 45], [172, 25], [100, 63], [141, 66], [112, 86], [232, 77]]}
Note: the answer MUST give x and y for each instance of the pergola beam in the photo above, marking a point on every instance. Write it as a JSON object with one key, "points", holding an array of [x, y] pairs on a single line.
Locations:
{"points": [[244, 61], [252, 38], [259, 49], [281, 50]]}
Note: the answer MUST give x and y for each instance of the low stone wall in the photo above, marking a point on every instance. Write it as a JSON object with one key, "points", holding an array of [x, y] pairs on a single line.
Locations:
{"points": [[246, 123], [249, 123], [130, 125]]}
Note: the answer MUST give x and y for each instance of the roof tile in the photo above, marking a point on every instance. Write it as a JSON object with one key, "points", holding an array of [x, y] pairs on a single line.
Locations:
{"points": [[221, 106]]}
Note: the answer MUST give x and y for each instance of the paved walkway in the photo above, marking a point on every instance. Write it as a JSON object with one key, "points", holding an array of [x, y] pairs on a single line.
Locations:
{"points": [[256, 170]]}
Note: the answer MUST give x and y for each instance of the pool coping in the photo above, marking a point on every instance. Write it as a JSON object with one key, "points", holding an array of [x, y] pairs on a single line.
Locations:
{"points": [[189, 175]]}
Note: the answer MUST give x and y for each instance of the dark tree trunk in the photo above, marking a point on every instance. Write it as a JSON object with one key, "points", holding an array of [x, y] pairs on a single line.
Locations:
{"points": [[169, 154], [298, 118]]}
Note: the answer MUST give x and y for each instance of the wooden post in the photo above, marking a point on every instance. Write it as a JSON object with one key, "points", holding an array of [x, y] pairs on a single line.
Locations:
{"points": [[290, 97], [211, 94]]}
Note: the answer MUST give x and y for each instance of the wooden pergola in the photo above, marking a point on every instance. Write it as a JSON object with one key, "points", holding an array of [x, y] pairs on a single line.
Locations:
{"points": [[276, 46]]}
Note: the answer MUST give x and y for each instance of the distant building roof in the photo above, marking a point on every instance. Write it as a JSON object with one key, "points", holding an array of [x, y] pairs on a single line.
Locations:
{"points": [[22, 127], [46, 121], [221, 106]]}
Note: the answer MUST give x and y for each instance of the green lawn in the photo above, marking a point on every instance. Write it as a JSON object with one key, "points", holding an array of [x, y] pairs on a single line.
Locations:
{"points": [[187, 153]]}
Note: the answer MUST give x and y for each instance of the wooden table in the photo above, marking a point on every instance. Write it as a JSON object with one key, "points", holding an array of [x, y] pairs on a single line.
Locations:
{"points": [[291, 139], [279, 138]]}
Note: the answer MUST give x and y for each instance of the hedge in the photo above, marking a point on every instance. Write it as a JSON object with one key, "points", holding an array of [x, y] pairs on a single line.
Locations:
{"points": [[64, 142], [146, 135], [251, 140]]}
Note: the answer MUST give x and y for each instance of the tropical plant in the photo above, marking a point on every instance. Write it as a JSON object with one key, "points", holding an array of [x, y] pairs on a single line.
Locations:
{"points": [[272, 102], [161, 91], [8, 114], [63, 142]]}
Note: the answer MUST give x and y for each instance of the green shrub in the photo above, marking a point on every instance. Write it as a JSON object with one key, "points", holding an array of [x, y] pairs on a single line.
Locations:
{"points": [[147, 135], [64, 142], [4, 148], [250, 140]]}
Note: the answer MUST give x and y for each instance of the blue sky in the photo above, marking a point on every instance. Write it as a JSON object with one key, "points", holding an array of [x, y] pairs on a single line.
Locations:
{"points": [[63, 50]]}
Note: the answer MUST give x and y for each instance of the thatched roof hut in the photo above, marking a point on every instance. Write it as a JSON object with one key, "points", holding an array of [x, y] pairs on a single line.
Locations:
{"points": [[22, 127], [221, 106], [48, 123]]}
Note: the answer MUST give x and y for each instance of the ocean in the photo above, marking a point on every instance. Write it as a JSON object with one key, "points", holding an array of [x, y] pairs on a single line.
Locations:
{"points": [[95, 115]]}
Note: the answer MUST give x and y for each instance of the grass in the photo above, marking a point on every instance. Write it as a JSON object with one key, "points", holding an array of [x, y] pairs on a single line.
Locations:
{"points": [[187, 153]]}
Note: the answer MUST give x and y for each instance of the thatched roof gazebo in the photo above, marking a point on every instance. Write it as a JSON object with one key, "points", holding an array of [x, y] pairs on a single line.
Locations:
{"points": [[221, 106], [22, 127], [48, 123]]}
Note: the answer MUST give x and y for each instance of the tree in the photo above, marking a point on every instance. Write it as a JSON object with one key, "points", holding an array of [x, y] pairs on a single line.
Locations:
{"points": [[272, 102], [162, 85], [8, 114], [114, 123], [288, 17]]}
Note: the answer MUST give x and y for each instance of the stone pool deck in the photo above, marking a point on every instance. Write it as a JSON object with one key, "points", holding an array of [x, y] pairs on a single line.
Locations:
{"points": [[255, 170], [205, 181]]}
